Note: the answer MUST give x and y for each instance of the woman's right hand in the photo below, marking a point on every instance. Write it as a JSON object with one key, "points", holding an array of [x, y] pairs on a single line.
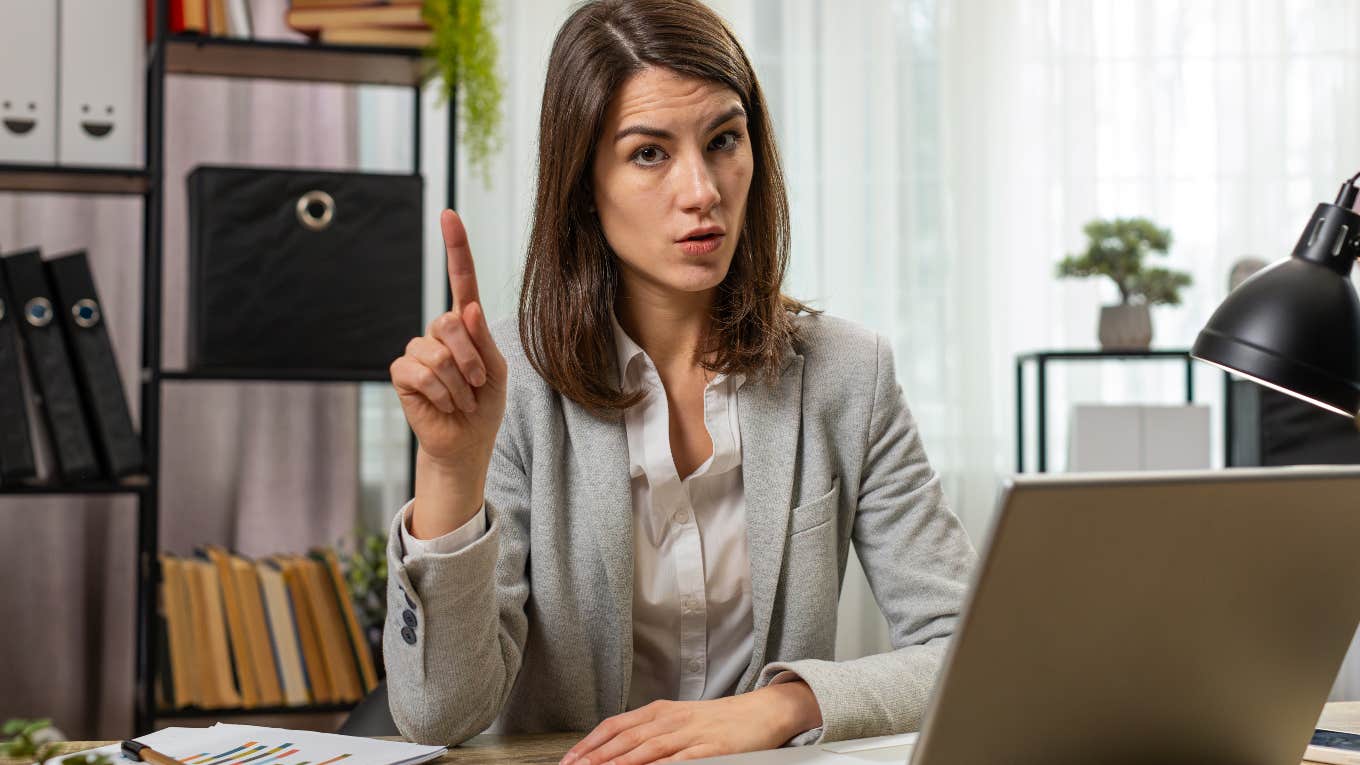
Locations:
{"points": [[452, 386]]}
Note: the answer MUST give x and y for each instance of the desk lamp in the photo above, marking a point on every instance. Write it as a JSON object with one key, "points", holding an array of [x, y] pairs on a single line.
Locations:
{"points": [[1294, 326]]}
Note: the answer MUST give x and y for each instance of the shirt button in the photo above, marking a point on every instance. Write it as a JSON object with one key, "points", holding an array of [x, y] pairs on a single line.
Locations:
{"points": [[687, 603], [682, 516], [695, 665]]}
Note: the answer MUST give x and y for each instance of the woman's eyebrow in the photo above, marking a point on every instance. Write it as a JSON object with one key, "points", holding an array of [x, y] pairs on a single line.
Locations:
{"points": [[735, 111]]}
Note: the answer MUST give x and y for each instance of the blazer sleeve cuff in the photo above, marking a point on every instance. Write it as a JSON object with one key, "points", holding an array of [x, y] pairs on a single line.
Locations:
{"points": [[787, 672], [875, 695], [451, 542], [441, 576]]}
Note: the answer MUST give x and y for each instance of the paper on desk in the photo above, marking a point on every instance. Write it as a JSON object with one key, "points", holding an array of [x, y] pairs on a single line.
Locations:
{"points": [[875, 742], [225, 744], [895, 749]]}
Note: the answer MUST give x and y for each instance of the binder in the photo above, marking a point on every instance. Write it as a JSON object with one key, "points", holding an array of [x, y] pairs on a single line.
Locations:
{"points": [[16, 451], [95, 364], [100, 79], [50, 365], [28, 82]]}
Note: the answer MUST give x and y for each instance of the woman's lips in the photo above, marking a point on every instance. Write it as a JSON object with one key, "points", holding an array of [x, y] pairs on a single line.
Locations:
{"points": [[701, 246]]}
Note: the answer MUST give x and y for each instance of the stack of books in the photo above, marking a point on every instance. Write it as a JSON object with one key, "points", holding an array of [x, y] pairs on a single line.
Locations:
{"points": [[397, 23], [215, 18], [237, 633]]}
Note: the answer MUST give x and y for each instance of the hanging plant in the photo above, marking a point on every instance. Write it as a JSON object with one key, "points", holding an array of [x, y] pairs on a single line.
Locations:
{"points": [[465, 53]]}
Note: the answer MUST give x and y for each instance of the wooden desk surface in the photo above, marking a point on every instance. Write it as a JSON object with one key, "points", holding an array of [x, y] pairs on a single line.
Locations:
{"points": [[549, 748]]}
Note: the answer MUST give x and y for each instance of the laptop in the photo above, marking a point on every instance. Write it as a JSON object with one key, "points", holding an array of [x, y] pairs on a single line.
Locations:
{"points": [[1192, 616]]}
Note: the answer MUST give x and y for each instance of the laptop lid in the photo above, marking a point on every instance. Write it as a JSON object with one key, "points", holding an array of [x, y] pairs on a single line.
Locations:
{"points": [[1196, 616]]}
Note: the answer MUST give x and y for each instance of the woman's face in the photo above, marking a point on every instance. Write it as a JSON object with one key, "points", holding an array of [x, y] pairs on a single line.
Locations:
{"points": [[674, 157]]}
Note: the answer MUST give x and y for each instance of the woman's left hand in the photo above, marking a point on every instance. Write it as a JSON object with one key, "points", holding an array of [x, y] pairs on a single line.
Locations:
{"points": [[670, 731]]}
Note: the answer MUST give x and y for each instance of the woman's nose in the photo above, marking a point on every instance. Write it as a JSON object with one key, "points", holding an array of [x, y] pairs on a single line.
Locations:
{"points": [[698, 186]]}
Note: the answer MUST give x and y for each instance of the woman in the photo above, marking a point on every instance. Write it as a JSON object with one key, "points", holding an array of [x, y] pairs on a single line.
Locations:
{"points": [[633, 507]]}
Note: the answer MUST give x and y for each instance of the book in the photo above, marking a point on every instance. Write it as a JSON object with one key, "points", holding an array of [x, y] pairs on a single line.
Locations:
{"points": [[175, 611], [283, 635], [236, 626], [217, 18], [331, 632], [195, 15], [220, 688], [313, 20], [174, 22], [334, 3], [358, 643], [318, 674], [380, 36], [257, 632], [239, 21]]}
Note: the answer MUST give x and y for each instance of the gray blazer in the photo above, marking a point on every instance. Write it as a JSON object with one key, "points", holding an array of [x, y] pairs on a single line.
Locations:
{"points": [[530, 627]]}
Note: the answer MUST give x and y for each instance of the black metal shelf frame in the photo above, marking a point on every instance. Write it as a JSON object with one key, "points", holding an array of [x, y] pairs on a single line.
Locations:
{"points": [[236, 711], [218, 57], [1041, 359]]}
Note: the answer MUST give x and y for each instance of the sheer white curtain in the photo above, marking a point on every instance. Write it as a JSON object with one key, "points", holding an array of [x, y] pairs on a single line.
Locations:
{"points": [[1226, 121], [943, 155]]}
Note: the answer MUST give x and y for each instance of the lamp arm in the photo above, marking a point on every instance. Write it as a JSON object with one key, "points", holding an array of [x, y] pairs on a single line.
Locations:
{"points": [[1347, 195]]}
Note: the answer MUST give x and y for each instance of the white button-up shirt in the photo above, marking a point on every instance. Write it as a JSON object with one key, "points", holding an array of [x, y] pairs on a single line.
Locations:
{"points": [[692, 628]]}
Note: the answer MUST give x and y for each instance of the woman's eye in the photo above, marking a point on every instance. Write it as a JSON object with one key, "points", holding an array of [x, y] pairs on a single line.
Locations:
{"points": [[643, 151], [727, 145]]}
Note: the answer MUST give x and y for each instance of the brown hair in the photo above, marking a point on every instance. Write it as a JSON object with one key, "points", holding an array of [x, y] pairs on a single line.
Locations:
{"points": [[571, 276]]}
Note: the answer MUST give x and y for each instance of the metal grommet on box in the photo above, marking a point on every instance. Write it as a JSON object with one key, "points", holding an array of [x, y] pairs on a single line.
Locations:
{"points": [[38, 311], [315, 210], [86, 313]]}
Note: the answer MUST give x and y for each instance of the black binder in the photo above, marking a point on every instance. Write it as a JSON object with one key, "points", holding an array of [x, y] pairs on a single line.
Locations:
{"points": [[95, 364], [51, 366], [16, 451]]}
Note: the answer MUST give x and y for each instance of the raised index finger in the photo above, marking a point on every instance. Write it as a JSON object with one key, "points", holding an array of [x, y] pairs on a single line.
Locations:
{"points": [[462, 273]]}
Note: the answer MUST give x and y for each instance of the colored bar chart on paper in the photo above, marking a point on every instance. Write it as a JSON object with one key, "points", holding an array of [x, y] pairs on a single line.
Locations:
{"points": [[224, 744]]}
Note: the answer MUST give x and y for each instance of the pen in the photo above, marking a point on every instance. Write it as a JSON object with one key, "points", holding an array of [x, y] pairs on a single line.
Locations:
{"points": [[141, 752]]}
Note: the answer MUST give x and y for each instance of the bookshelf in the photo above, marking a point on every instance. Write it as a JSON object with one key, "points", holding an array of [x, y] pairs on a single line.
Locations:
{"points": [[194, 55]]}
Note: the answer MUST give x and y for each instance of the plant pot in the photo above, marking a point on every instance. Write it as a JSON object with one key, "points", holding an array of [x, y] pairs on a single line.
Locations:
{"points": [[1125, 327]]}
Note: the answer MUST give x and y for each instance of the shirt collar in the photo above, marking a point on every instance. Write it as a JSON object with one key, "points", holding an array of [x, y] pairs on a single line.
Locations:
{"points": [[627, 351], [624, 347]]}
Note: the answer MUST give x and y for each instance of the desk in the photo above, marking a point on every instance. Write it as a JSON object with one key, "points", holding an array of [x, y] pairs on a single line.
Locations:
{"points": [[549, 748]]}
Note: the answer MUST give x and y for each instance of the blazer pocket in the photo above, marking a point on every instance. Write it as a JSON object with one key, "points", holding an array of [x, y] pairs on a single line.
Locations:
{"points": [[820, 510]]}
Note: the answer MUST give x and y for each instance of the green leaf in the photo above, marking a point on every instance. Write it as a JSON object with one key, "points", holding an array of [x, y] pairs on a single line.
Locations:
{"points": [[465, 52]]}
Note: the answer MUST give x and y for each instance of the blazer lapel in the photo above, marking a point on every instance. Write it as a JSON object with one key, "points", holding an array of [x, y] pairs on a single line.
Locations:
{"points": [[770, 417], [602, 489]]}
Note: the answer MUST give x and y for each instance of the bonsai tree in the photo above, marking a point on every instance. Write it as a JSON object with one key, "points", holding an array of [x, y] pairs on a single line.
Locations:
{"points": [[1116, 248]]}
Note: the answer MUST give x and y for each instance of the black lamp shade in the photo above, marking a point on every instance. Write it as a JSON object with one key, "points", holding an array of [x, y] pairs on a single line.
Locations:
{"points": [[1295, 325]]}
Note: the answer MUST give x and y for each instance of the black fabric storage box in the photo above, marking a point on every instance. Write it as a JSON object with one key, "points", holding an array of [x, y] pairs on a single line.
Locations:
{"points": [[302, 270]]}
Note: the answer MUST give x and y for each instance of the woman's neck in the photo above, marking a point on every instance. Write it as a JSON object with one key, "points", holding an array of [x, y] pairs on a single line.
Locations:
{"points": [[668, 327]]}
